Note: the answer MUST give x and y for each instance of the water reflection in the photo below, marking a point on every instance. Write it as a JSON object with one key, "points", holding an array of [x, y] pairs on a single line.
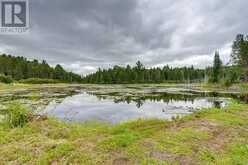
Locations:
{"points": [[163, 97], [114, 109]]}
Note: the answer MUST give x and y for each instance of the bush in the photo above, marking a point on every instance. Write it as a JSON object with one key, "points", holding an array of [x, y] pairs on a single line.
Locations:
{"points": [[228, 83], [16, 115], [6, 79], [39, 81]]}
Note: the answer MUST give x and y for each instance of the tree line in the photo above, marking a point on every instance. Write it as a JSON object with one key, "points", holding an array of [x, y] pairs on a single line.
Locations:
{"points": [[20, 68], [141, 74], [215, 74]]}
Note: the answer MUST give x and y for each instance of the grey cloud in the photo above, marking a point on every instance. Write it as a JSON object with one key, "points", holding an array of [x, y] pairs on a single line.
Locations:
{"points": [[86, 34]]}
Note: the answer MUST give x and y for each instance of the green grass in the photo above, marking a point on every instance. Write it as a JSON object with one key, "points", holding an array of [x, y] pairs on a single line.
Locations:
{"points": [[15, 115], [211, 136], [243, 86]]}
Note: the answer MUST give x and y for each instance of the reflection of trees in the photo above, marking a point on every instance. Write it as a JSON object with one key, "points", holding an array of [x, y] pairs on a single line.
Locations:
{"points": [[139, 103], [169, 97], [139, 100], [217, 104]]}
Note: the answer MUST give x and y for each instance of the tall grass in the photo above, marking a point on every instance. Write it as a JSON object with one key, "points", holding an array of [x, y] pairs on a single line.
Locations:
{"points": [[16, 115]]}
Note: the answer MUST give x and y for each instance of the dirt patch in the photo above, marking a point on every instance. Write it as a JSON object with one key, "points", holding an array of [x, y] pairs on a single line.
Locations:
{"points": [[220, 138], [184, 160], [166, 156], [201, 125], [121, 161], [162, 155]]}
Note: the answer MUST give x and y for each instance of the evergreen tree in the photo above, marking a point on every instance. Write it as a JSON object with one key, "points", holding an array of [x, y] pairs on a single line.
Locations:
{"points": [[216, 73], [20, 68], [240, 53], [140, 74]]}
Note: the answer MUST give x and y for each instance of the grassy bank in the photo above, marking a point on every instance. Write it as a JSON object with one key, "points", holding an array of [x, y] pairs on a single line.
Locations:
{"points": [[211, 136], [21, 87]]}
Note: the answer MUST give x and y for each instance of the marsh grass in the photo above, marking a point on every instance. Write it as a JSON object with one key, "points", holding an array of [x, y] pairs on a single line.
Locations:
{"points": [[15, 115]]}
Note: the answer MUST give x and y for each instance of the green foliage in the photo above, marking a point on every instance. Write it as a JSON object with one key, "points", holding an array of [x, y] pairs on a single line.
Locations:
{"points": [[240, 50], [217, 69], [240, 53], [140, 74], [228, 82], [39, 81], [20, 68], [229, 76], [16, 115], [6, 79]]}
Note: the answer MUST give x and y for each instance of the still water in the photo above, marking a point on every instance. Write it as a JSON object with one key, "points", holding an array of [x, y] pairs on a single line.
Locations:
{"points": [[84, 106]]}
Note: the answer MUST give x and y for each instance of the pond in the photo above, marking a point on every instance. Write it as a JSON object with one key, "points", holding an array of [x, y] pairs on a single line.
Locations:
{"points": [[115, 108], [117, 104]]}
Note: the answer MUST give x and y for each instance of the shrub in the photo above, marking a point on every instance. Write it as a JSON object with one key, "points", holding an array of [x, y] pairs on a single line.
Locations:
{"points": [[228, 83], [39, 81], [6, 79], [16, 115]]}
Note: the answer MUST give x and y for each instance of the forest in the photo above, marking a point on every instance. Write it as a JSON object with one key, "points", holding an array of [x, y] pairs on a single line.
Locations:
{"points": [[141, 74], [19, 68]]}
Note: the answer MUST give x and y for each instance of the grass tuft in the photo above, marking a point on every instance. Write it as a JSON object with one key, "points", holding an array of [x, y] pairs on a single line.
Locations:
{"points": [[15, 115]]}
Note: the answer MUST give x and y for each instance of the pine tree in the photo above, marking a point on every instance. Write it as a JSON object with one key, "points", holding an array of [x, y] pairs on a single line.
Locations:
{"points": [[216, 73], [240, 53], [20, 68]]}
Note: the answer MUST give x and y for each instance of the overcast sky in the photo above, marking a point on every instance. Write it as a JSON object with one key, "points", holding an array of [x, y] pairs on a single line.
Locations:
{"points": [[83, 35]]}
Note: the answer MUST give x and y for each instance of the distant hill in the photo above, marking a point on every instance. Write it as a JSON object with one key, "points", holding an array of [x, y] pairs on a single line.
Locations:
{"points": [[21, 68]]}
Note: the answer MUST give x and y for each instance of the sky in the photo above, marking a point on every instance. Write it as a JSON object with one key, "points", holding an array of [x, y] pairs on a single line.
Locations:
{"points": [[83, 35]]}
